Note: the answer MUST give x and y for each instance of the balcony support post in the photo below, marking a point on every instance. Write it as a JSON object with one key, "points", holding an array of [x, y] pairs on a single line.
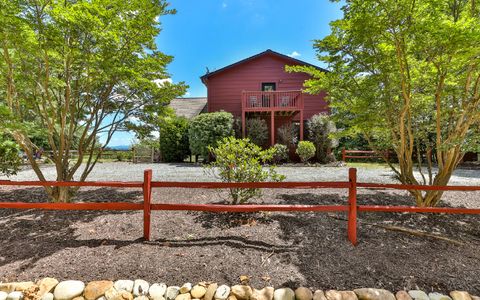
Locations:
{"points": [[243, 123], [301, 124], [272, 128]]}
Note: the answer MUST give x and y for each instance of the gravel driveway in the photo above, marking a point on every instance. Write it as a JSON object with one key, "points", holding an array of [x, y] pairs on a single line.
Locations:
{"points": [[123, 171]]}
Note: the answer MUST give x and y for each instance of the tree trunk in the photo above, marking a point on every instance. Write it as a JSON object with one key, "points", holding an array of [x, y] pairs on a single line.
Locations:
{"points": [[61, 194]]}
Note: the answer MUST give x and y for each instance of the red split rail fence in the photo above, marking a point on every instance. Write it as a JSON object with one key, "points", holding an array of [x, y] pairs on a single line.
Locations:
{"points": [[351, 208], [363, 154]]}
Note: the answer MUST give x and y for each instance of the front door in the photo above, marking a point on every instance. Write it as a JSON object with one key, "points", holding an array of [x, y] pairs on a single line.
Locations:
{"points": [[268, 87]]}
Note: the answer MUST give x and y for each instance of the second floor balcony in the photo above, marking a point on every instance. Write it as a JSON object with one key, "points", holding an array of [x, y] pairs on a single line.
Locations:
{"points": [[272, 100]]}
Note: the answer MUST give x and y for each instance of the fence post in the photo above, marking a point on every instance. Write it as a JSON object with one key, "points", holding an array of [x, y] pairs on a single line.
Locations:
{"points": [[147, 195], [343, 154], [352, 210]]}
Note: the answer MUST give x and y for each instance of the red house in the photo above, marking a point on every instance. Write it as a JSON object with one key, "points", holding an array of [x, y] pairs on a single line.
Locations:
{"points": [[258, 86]]}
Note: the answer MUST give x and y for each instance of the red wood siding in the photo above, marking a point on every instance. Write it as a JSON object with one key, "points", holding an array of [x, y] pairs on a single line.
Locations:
{"points": [[225, 88]]}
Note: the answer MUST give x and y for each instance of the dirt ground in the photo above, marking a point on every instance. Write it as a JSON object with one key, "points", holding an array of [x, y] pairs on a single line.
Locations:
{"points": [[280, 249]]}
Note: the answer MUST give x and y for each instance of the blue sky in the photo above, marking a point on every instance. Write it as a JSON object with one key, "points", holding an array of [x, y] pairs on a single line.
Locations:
{"points": [[216, 33]]}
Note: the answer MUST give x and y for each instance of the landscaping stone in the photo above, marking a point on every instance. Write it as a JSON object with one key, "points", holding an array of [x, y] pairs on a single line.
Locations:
{"points": [[403, 295], [211, 289], [184, 296], [46, 285], [340, 295], [140, 287], [15, 286], [172, 292], [141, 297], [96, 289], [222, 292], [198, 291], [474, 297], [374, 294], [303, 293], [460, 295], [68, 289], [438, 296], [125, 285], [3, 295], [187, 287], [284, 294], [157, 291], [79, 298], [16, 295], [264, 294], [47, 296], [232, 297], [418, 295], [319, 295], [241, 292]]}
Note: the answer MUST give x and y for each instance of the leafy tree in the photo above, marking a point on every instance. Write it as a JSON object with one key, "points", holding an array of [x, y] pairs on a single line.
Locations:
{"points": [[78, 67], [257, 131], [174, 139], [239, 160], [306, 150], [320, 131], [207, 129], [406, 75]]}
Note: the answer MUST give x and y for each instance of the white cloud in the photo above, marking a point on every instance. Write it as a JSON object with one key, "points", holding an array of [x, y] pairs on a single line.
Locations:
{"points": [[160, 82], [294, 54], [187, 94], [224, 4]]}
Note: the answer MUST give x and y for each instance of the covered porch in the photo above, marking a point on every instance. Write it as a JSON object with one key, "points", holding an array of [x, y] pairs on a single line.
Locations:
{"points": [[272, 103]]}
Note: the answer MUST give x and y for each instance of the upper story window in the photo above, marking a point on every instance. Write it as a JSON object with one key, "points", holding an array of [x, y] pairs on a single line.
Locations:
{"points": [[269, 86]]}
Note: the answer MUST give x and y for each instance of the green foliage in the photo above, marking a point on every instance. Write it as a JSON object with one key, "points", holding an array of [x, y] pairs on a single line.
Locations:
{"points": [[207, 129], [281, 153], [287, 135], [174, 139], [306, 150], [9, 157], [320, 131], [239, 160], [79, 69], [257, 131], [403, 74]]}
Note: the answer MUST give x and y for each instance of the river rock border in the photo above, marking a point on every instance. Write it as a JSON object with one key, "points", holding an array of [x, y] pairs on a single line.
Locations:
{"points": [[52, 289]]}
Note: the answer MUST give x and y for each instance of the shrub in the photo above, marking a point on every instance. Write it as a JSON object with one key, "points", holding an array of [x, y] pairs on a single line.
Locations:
{"points": [[320, 127], [174, 139], [239, 160], [9, 157], [287, 135], [281, 153], [121, 156], [306, 150], [257, 131], [207, 129]]}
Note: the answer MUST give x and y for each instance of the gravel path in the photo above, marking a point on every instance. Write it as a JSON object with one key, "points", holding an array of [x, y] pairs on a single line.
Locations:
{"points": [[124, 171]]}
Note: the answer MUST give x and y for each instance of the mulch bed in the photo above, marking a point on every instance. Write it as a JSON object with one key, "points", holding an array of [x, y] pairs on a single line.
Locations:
{"points": [[280, 249]]}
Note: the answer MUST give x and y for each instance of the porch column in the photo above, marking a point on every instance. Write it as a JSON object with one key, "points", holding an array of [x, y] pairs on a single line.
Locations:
{"points": [[272, 128], [301, 125], [243, 124]]}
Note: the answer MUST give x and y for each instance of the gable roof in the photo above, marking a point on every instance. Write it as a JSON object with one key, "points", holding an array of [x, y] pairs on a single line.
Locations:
{"points": [[189, 107], [266, 52]]}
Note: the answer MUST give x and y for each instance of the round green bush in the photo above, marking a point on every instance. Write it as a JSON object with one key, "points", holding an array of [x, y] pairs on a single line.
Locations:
{"points": [[206, 130], [281, 153], [174, 139], [306, 150]]}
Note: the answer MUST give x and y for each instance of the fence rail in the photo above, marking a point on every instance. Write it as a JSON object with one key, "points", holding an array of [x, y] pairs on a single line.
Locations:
{"points": [[364, 154], [351, 208]]}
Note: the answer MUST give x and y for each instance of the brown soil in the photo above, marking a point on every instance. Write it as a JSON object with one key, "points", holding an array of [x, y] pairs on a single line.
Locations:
{"points": [[280, 249]]}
